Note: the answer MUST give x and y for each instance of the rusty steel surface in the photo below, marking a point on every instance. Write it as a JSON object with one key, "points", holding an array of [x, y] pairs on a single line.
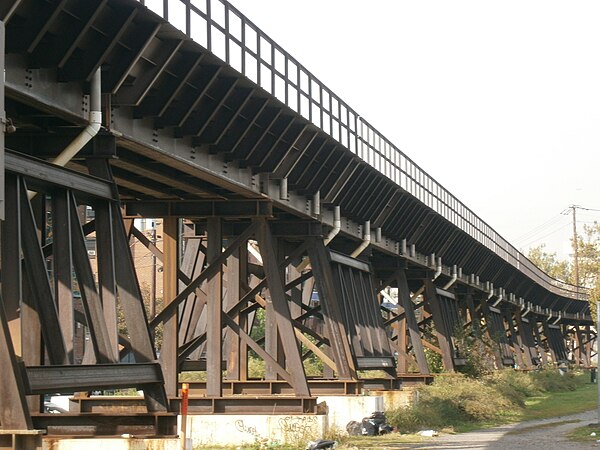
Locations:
{"points": [[280, 387], [168, 77], [264, 182]]}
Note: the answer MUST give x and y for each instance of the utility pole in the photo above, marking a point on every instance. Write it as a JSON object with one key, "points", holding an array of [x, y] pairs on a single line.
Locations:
{"points": [[575, 248]]}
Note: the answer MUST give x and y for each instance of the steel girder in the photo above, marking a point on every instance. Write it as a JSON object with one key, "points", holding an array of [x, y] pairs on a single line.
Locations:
{"points": [[162, 79]]}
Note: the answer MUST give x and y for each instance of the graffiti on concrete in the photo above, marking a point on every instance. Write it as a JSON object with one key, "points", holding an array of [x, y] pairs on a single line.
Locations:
{"points": [[249, 429], [298, 427]]}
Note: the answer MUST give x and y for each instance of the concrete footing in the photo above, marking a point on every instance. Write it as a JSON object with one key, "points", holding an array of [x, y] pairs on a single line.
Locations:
{"points": [[229, 429], [112, 444], [255, 429]]}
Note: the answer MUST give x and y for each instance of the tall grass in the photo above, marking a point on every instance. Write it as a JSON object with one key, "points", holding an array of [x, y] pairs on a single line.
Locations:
{"points": [[456, 400]]}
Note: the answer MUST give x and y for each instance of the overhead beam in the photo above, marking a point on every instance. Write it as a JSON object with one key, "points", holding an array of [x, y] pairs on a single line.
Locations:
{"points": [[200, 208], [41, 173], [48, 379]]}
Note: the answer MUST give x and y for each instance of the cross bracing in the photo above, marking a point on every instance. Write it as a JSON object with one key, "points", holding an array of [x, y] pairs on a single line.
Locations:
{"points": [[206, 121]]}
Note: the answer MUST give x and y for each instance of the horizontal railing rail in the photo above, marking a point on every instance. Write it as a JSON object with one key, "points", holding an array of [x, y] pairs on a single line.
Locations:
{"points": [[227, 33]]}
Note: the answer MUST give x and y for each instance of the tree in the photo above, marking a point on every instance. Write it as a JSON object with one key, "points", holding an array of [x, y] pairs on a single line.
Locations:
{"points": [[588, 250], [589, 262], [549, 263]]}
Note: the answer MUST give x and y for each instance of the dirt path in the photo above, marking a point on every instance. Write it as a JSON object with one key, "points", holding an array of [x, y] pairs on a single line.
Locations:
{"points": [[547, 434]]}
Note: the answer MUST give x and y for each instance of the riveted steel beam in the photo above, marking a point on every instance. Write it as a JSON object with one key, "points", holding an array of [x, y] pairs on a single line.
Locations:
{"points": [[193, 209]]}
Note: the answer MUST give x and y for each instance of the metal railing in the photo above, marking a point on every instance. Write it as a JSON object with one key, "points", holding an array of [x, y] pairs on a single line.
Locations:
{"points": [[231, 36]]}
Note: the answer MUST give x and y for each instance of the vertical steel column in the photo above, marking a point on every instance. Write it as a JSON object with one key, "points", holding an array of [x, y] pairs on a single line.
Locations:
{"points": [[296, 291], [546, 329], [243, 318], [523, 340], [14, 413], [129, 294], [272, 339], [513, 339], [401, 344], [411, 321], [214, 325], [186, 273], [489, 331], [105, 256], [31, 340], [42, 300], [62, 267], [12, 275], [105, 251], [441, 328], [195, 303], [541, 348], [90, 299], [281, 310], [331, 307], [232, 296], [168, 351]]}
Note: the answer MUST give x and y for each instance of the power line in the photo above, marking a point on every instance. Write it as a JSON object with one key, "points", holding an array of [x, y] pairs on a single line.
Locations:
{"points": [[545, 236], [539, 229]]}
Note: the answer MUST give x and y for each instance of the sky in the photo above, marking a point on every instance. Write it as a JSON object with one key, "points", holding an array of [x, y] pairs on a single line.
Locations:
{"points": [[498, 100]]}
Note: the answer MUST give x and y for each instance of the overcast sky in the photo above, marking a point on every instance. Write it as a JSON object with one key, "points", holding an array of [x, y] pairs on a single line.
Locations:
{"points": [[499, 101]]}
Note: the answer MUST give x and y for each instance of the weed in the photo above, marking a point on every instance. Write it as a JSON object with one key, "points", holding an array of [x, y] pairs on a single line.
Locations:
{"points": [[457, 400]]}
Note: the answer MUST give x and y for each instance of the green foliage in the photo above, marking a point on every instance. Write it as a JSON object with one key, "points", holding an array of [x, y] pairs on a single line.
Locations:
{"points": [[514, 385], [549, 404], [258, 326], [256, 366], [553, 381], [455, 400], [313, 366], [589, 262], [192, 376], [476, 351], [451, 400], [588, 250], [434, 361], [549, 263]]}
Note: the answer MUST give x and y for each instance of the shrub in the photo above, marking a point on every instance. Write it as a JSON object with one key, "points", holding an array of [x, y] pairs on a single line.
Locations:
{"points": [[551, 380], [513, 385], [457, 399], [434, 361], [449, 401]]}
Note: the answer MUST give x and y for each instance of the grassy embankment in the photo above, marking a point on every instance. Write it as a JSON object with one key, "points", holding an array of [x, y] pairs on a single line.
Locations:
{"points": [[460, 404], [455, 403]]}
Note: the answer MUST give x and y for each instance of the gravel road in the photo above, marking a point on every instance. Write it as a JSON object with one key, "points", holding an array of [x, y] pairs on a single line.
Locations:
{"points": [[546, 434]]}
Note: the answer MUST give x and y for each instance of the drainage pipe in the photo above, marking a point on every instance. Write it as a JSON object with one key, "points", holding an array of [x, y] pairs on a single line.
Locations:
{"points": [[558, 319], [366, 240], [500, 297], [438, 269], [337, 225], [91, 129], [453, 279]]}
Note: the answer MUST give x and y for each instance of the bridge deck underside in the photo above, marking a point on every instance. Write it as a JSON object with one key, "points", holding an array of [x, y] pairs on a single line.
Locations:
{"points": [[186, 136], [170, 85]]}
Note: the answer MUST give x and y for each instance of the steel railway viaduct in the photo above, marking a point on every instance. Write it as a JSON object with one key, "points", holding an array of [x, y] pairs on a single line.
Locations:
{"points": [[269, 188]]}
